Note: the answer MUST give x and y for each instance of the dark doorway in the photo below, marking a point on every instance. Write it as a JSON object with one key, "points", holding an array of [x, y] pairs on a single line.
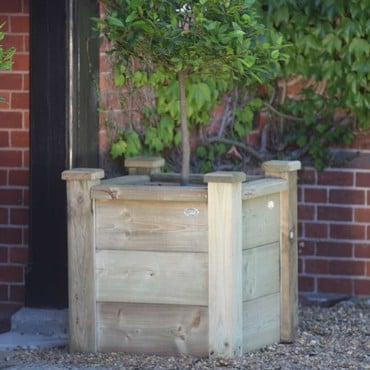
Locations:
{"points": [[64, 131]]}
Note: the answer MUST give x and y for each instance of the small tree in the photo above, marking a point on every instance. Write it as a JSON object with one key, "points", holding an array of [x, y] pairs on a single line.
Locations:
{"points": [[204, 42], [5, 56]]}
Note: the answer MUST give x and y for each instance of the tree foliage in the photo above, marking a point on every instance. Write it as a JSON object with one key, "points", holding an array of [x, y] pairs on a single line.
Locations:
{"points": [[189, 52], [327, 47]]}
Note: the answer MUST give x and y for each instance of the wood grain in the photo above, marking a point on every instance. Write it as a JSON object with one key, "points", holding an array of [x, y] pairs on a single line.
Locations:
{"points": [[261, 322], [225, 267], [153, 329], [167, 226], [261, 220], [152, 277], [261, 271]]}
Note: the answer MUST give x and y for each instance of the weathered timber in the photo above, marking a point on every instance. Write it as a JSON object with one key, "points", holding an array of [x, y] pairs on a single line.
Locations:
{"points": [[261, 220], [289, 247], [81, 258], [151, 277], [144, 165], [152, 329], [261, 322], [261, 271], [156, 226], [225, 263]]}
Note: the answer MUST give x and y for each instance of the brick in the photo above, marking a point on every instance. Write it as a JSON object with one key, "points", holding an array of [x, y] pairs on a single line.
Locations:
{"points": [[315, 230], [300, 265], [16, 41], [10, 6], [4, 20], [349, 267], [347, 231], [337, 196], [10, 158], [10, 119], [19, 139], [306, 212], [306, 284], [26, 234], [363, 179], [19, 216], [20, 100], [11, 274], [10, 235], [334, 285], [362, 287], [306, 248], [4, 218], [5, 105], [315, 195], [367, 263], [18, 255], [26, 6], [316, 266], [307, 176], [26, 197], [11, 197], [333, 249], [17, 293], [3, 255], [19, 177], [362, 215], [20, 23], [4, 139], [11, 81], [26, 158], [4, 292], [337, 178], [362, 251], [21, 62], [332, 213], [3, 177], [26, 81]]}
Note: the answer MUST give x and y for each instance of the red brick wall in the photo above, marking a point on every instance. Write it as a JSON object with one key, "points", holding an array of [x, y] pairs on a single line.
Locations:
{"points": [[334, 229], [14, 152]]}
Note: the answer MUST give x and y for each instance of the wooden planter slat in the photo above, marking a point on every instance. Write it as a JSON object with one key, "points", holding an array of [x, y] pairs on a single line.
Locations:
{"points": [[209, 269], [140, 225], [151, 277], [153, 329]]}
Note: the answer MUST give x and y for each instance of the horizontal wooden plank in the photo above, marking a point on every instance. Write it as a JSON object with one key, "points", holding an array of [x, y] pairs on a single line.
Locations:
{"points": [[261, 322], [261, 266], [152, 277], [194, 178], [263, 186], [137, 225], [152, 329], [150, 192], [261, 220]]}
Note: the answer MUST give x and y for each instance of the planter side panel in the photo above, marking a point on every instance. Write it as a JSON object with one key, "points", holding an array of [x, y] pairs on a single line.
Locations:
{"points": [[261, 271], [151, 225], [153, 329], [261, 322]]}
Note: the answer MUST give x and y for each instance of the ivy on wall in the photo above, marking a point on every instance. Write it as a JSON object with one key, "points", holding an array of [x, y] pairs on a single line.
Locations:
{"points": [[327, 48]]}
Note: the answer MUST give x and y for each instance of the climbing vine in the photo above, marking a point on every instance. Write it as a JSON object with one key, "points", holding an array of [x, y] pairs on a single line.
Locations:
{"points": [[327, 48], [5, 56]]}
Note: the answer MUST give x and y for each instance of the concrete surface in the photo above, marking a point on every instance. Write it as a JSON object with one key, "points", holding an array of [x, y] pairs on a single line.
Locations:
{"points": [[36, 328]]}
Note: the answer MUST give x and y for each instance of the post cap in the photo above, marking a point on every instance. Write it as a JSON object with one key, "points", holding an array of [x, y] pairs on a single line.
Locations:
{"points": [[281, 166], [86, 174], [225, 177]]}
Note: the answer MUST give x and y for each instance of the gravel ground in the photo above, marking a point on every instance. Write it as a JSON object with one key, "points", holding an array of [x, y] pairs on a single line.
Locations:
{"points": [[329, 338]]}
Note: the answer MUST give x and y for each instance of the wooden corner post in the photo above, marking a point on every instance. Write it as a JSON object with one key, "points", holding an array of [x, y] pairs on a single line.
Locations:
{"points": [[225, 263], [289, 249], [81, 281]]}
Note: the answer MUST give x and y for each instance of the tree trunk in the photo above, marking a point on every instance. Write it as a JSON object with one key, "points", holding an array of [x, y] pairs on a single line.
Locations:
{"points": [[185, 168]]}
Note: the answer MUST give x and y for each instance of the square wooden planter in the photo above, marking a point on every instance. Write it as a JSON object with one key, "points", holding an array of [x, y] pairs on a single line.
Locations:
{"points": [[208, 269]]}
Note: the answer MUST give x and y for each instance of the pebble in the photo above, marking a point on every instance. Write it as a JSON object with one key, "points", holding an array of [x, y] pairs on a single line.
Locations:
{"points": [[328, 338]]}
